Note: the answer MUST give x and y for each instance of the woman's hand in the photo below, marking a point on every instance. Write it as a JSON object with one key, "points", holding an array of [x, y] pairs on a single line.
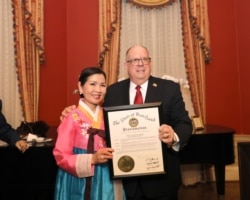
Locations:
{"points": [[102, 155]]}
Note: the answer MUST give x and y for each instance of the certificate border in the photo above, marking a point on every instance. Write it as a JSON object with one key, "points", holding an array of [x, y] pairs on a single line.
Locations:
{"points": [[107, 110]]}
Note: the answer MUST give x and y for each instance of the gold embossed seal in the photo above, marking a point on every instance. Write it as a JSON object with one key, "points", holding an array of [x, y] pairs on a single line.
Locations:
{"points": [[133, 122], [126, 163]]}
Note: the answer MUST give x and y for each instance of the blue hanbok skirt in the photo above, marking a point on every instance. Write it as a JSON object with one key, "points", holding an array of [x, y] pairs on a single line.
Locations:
{"points": [[69, 187]]}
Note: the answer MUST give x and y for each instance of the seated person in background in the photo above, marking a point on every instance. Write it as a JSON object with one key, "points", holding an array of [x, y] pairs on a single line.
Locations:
{"points": [[9, 135]]}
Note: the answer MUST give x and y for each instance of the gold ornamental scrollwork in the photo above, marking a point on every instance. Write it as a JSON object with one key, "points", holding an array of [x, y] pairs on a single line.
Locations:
{"points": [[151, 3]]}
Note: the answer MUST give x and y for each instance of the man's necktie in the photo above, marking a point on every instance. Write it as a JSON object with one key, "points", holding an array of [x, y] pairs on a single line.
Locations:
{"points": [[138, 95]]}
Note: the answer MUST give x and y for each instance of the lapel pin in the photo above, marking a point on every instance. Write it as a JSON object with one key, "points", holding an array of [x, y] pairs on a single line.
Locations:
{"points": [[154, 85]]}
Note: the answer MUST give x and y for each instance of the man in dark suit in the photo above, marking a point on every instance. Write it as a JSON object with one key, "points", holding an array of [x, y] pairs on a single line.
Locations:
{"points": [[174, 132], [9, 135]]}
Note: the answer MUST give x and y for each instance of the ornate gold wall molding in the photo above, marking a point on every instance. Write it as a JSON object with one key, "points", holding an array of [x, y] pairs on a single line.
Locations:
{"points": [[151, 3]]}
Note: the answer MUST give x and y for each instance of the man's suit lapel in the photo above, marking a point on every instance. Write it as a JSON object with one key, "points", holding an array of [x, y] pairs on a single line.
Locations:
{"points": [[125, 95], [153, 91]]}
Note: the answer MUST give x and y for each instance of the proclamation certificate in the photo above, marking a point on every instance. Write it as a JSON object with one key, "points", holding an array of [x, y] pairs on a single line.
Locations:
{"points": [[132, 131]]}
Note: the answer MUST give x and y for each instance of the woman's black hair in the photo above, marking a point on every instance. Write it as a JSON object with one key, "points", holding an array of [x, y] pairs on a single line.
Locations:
{"points": [[89, 71]]}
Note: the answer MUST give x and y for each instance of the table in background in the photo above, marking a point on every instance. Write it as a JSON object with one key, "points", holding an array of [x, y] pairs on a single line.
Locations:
{"points": [[28, 176], [212, 145]]}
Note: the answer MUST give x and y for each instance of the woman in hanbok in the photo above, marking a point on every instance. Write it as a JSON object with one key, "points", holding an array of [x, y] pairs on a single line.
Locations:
{"points": [[80, 150]]}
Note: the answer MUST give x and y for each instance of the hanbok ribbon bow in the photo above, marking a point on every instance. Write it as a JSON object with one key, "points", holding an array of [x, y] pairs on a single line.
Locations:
{"points": [[92, 132], [90, 149]]}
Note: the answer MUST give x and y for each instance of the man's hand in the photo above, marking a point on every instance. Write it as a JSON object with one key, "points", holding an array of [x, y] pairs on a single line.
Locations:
{"points": [[166, 134], [66, 111], [22, 145]]}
